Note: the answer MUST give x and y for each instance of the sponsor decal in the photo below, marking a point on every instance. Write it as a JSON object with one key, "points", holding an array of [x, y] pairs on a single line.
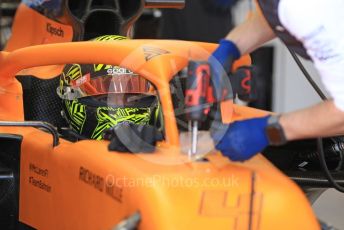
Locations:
{"points": [[91, 179], [102, 185], [81, 80], [39, 174], [39, 184], [54, 31], [111, 70], [152, 52], [118, 70]]}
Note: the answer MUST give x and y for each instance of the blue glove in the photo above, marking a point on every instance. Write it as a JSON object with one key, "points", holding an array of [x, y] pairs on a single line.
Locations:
{"points": [[225, 52], [243, 139], [221, 63]]}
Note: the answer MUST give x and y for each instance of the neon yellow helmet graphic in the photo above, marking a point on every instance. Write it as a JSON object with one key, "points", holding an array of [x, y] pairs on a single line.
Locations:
{"points": [[96, 97]]}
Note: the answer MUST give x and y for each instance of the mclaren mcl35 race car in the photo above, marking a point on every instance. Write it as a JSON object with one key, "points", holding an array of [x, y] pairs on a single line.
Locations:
{"points": [[135, 177]]}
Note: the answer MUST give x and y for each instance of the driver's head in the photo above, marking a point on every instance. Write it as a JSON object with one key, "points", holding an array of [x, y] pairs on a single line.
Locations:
{"points": [[96, 97]]}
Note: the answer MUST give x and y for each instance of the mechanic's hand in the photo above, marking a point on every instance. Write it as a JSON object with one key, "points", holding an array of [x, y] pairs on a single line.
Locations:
{"points": [[226, 53], [221, 62], [243, 139]]}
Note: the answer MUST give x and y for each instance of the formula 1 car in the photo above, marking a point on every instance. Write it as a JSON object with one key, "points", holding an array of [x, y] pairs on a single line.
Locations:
{"points": [[49, 181]]}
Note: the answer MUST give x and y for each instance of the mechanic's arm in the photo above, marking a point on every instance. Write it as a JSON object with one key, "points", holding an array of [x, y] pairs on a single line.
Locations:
{"points": [[323, 37], [242, 40], [323, 119], [251, 34]]}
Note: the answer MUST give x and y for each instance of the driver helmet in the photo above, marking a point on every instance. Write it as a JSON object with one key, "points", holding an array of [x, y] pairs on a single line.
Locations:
{"points": [[97, 97]]}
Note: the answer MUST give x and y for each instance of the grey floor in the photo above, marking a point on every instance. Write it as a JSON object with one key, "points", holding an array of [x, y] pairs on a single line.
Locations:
{"points": [[330, 208]]}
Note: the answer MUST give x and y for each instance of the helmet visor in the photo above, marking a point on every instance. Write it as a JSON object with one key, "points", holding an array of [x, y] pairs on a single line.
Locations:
{"points": [[124, 82]]}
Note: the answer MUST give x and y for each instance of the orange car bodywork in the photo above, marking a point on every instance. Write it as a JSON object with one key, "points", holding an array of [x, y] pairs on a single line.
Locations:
{"points": [[84, 186]]}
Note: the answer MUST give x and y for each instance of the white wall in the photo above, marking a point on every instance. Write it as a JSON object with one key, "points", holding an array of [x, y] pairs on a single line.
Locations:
{"points": [[291, 89]]}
